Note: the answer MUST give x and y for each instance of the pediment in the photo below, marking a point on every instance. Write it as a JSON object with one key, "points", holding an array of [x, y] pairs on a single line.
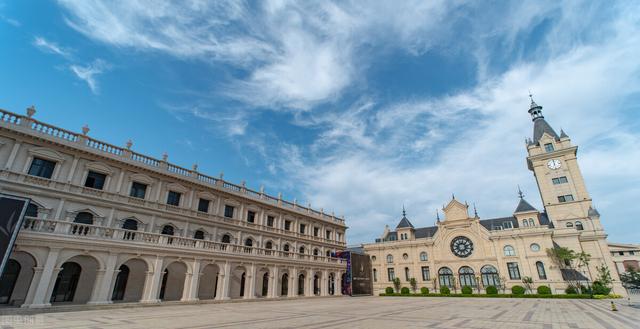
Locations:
{"points": [[100, 167], [456, 210], [142, 179], [47, 153], [177, 187]]}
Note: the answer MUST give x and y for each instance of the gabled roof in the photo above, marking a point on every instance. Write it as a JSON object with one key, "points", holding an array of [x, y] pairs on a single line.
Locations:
{"points": [[540, 126], [426, 232], [404, 223], [593, 212], [524, 206]]}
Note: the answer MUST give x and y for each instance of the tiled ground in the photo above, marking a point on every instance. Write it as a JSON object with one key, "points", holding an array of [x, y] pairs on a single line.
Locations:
{"points": [[346, 312]]}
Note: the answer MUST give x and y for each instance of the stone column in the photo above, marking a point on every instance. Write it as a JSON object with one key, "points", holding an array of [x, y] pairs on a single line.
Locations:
{"points": [[104, 278], [273, 281], [293, 282], [251, 278], [309, 284], [194, 284], [47, 279], [153, 281], [224, 281], [338, 279], [324, 287], [37, 274]]}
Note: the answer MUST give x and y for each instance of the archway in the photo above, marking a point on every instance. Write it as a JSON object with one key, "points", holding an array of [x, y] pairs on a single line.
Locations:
{"points": [[489, 276], [332, 284], [301, 284], [15, 293], [208, 282], [445, 276], [173, 281], [316, 284], [262, 282], [284, 285], [239, 286], [130, 281], [75, 281], [8, 280], [265, 284]]}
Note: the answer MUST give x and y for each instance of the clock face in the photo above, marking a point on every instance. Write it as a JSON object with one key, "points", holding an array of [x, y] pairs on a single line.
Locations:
{"points": [[461, 246], [554, 164]]}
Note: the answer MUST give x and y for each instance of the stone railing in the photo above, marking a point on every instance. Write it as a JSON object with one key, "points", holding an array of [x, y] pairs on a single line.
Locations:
{"points": [[16, 121], [127, 237]]}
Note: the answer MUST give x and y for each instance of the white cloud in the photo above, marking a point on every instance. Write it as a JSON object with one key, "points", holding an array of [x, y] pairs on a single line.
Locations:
{"points": [[89, 73], [51, 47]]}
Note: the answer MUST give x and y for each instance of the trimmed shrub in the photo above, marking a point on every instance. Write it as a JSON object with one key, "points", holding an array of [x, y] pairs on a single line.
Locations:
{"points": [[388, 290], [492, 290], [424, 290], [571, 290], [466, 290], [517, 290], [444, 290], [544, 290], [600, 289], [405, 291]]}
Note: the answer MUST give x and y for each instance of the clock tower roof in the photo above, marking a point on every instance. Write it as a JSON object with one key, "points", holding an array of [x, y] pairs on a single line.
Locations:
{"points": [[540, 125]]}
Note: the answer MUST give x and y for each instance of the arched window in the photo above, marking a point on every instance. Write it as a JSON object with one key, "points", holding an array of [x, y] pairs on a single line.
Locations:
{"points": [[268, 245], [509, 251], [167, 230], [301, 250], [66, 283], [301, 284], [389, 259], [84, 217], [542, 274], [120, 286], [375, 275], [248, 242], [423, 256], [405, 256], [467, 277], [198, 235], [445, 276], [406, 274], [525, 222], [579, 226], [226, 238], [130, 224], [284, 286], [328, 253], [32, 210], [569, 224], [489, 276], [285, 247], [316, 252], [531, 222]]}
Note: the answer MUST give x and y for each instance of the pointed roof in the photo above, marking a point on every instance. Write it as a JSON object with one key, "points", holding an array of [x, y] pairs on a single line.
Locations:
{"points": [[593, 212], [404, 222], [540, 125], [563, 134], [524, 206]]}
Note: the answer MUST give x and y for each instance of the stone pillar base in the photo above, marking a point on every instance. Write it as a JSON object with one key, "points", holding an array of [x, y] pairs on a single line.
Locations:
{"points": [[150, 301], [100, 302], [45, 305]]}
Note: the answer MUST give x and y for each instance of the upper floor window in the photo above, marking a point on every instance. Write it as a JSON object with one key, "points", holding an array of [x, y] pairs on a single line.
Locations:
{"points": [[270, 220], [228, 211], [525, 222], [423, 256], [327, 235], [559, 180], [569, 224], [226, 238], [42, 168], [506, 225], [130, 224], [251, 216], [203, 205], [389, 259], [532, 222], [32, 210], [579, 226], [302, 228], [339, 237], [84, 218], [167, 230], [375, 275], [316, 231], [548, 147], [407, 276], [509, 251], [391, 274], [95, 180], [514, 272], [565, 198], [198, 235], [425, 273], [542, 274], [138, 190], [287, 225], [301, 249], [173, 198]]}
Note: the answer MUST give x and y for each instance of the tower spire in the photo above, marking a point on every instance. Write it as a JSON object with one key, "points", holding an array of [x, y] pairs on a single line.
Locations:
{"points": [[534, 109], [404, 213], [520, 194]]}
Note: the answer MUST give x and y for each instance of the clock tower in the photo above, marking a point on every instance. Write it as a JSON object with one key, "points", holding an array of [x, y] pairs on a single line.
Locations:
{"points": [[553, 160]]}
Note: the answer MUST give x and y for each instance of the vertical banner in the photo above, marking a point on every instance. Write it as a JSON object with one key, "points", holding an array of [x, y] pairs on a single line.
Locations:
{"points": [[12, 210]]}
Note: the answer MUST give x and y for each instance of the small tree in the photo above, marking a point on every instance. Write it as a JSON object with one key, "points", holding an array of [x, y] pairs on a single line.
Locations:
{"points": [[478, 284], [528, 283], [414, 284], [435, 284], [453, 283], [503, 284], [396, 284], [604, 275], [631, 278]]}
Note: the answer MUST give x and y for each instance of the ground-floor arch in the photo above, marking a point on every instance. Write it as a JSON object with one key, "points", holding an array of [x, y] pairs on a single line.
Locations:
{"points": [[16, 279], [173, 278], [130, 281], [238, 287], [207, 289], [284, 285], [75, 280]]}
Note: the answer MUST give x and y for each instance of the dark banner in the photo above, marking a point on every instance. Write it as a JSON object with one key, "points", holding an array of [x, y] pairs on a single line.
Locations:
{"points": [[12, 210], [357, 280]]}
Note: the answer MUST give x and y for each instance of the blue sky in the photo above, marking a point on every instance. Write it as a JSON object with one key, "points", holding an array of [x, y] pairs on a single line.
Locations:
{"points": [[356, 107]]}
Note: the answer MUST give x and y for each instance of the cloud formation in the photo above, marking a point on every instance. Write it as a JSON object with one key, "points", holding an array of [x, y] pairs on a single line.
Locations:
{"points": [[89, 72], [50, 47]]}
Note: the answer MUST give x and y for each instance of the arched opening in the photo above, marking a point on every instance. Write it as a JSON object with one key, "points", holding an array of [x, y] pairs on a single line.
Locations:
{"points": [[489, 276], [83, 218], [445, 276], [8, 280], [467, 277], [407, 275], [284, 285], [531, 222], [301, 284], [286, 248], [579, 226], [525, 222], [509, 250], [423, 256], [198, 235], [238, 288], [265, 284], [66, 284], [389, 259], [32, 210], [316, 285], [131, 225], [130, 281], [542, 274], [121, 283], [243, 281], [226, 238], [168, 230], [328, 253], [76, 280], [173, 281], [301, 250], [208, 282], [316, 252], [332, 284]]}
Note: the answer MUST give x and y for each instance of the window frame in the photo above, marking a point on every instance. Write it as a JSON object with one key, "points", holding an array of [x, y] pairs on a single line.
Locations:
{"points": [[135, 185], [391, 274], [559, 180], [229, 211], [174, 198], [41, 168], [426, 275], [200, 203], [251, 216], [91, 173], [509, 251], [514, 270], [548, 147]]}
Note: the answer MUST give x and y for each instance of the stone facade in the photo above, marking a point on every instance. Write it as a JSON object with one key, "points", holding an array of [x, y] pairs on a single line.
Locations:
{"points": [[625, 256], [463, 249], [108, 224]]}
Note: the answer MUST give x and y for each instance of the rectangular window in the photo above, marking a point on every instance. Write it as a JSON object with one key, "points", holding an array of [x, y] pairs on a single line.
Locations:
{"points": [[391, 274], [316, 231], [425, 273], [621, 253], [287, 225], [203, 205], [95, 180], [632, 252], [548, 147], [228, 211], [565, 198], [173, 198], [327, 235], [514, 272], [339, 237], [138, 190], [42, 168], [507, 225], [375, 275], [251, 216], [559, 180], [270, 220], [302, 228]]}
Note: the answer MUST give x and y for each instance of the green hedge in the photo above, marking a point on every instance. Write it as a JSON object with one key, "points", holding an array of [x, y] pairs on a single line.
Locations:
{"points": [[389, 290], [517, 290], [575, 296], [492, 290], [466, 290], [424, 290], [444, 290], [405, 291], [544, 290]]}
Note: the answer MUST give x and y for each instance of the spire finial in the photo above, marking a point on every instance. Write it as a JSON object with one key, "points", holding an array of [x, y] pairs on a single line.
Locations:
{"points": [[534, 109], [520, 194], [453, 196], [437, 216], [404, 213], [475, 211]]}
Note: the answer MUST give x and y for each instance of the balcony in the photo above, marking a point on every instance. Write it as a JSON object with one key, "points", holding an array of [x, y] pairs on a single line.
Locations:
{"points": [[137, 239]]}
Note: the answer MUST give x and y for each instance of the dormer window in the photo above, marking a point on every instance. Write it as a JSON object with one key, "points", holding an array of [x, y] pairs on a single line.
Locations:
{"points": [[507, 225], [548, 147]]}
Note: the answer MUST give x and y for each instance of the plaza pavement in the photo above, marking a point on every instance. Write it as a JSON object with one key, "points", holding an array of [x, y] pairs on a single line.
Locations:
{"points": [[348, 312]]}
